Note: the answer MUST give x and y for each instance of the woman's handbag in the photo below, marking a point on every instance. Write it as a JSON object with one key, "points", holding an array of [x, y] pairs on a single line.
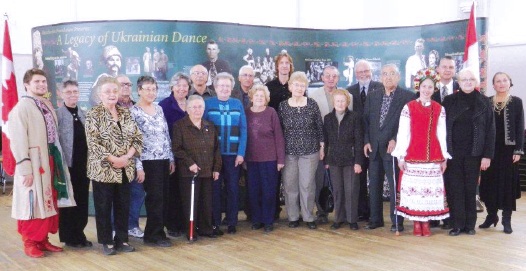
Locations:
{"points": [[325, 198]]}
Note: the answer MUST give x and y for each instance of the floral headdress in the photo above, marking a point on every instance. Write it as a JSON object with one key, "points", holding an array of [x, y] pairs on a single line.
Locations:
{"points": [[424, 74]]}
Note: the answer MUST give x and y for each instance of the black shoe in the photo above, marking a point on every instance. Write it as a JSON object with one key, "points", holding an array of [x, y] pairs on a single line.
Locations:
{"points": [[490, 219], [434, 223], [175, 233], [108, 250], [322, 219], [311, 225], [454, 232], [470, 231], [86, 243], [399, 229], [446, 226], [363, 218], [125, 248], [158, 243], [257, 226], [372, 225], [354, 226], [232, 229], [269, 228], [74, 245], [209, 235], [506, 223], [217, 231], [294, 224], [336, 225]]}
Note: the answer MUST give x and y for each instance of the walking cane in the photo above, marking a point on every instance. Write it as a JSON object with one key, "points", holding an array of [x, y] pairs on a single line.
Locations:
{"points": [[191, 234], [394, 187]]}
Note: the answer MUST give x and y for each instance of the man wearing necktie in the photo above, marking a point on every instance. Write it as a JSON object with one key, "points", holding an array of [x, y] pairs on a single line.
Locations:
{"points": [[214, 65], [447, 85], [363, 72]]}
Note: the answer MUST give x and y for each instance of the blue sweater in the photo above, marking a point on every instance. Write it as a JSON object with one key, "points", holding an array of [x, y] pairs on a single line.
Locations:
{"points": [[231, 124]]}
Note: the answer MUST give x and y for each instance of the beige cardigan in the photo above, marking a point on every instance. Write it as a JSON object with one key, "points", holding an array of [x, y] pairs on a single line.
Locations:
{"points": [[28, 136]]}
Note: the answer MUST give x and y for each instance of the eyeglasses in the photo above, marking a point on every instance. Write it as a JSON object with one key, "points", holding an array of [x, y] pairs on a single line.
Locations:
{"points": [[224, 86], [247, 75], [363, 72], [468, 80], [126, 85], [74, 92], [154, 90], [199, 73]]}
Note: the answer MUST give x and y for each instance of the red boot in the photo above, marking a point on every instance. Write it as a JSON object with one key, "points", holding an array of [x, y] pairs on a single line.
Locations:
{"points": [[31, 249], [417, 228], [426, 230], [47, 246]]}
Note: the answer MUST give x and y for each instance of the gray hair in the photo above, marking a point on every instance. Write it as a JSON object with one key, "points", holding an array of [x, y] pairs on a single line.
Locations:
{"points": [[224, 75], [363, 62], [332, 68], [246, 67], [180, 76], [397, 70], [193, 98]]}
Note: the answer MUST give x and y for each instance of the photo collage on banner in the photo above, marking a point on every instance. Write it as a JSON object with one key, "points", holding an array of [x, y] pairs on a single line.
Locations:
{"points": [[88, 51]]}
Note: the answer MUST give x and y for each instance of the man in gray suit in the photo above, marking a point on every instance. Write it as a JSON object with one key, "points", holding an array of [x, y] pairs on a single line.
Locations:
{"points": [[381, 116], [359, 91]]}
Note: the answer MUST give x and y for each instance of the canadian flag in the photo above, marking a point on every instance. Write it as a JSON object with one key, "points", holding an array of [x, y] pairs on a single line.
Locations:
{"points": [[471, 49], [9, 100]]}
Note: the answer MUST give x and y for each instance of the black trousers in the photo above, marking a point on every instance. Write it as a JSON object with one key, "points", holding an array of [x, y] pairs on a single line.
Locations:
{"points": [[461, 179], [108, 197], [156, 179], [363, 199], [173, 211], [73, 220], [202, 203]]}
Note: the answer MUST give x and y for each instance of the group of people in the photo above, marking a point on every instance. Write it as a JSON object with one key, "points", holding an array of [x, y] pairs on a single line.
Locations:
{"points": [[196, 144]]}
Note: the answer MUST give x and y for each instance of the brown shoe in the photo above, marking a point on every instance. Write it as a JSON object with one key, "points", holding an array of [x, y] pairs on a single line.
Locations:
{"points": [[47, 246], [31, 249]]}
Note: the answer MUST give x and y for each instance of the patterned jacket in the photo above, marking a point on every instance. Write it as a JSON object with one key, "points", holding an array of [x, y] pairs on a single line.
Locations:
{"points": [[105, 138]]}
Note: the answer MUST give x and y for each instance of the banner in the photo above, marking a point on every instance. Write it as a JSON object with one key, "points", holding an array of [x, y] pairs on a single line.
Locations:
{"points": [[83, 51]]}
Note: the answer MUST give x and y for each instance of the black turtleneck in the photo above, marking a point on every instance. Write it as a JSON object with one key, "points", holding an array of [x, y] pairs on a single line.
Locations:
{"points": [[463, 125], [80, 145]]}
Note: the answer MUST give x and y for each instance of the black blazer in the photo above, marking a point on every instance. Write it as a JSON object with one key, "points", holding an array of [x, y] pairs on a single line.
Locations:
{"points": [[436, 96], [377, 136], [483, 124], [514, 124], [357, 105], [344, 140]]}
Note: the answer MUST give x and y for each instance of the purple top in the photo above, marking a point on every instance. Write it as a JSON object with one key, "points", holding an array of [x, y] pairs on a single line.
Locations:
{"points": [[265, 138]]}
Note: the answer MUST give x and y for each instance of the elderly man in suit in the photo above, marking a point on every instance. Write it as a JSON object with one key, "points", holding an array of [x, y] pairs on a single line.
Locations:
{"points": [[323, 97], [381, 116], [359, 91]]}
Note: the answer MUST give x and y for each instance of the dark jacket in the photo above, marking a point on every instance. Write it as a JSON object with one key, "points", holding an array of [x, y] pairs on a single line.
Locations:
{"points": [[437, 94], [483, 124], [192, 145], [354, 90], [379, 136], [344, 140], [514, 125]]}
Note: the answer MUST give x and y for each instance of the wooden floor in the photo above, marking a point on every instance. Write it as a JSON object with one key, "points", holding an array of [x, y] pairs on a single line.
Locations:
{"points": [[288, 249]]}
